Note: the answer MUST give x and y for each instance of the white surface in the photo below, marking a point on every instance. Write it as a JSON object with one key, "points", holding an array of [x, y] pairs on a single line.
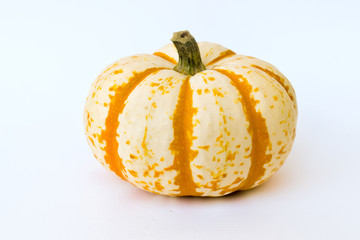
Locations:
{"points": [[53, 188]]}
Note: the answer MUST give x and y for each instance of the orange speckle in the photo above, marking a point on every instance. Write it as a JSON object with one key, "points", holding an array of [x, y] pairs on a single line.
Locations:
{"points": [[197, 121], [238, 146], [161, 88], [133, 173], [144, 145], [237, 180], [118, 71], [154, 105], [200, 176], [157, 173], [275, 98], [230, 156], [279, 143], [111, 66], [256, 89], [88, 121], [226, 131], [158, 186], [216, 92], [206, 90], [132, 156], [127, 142], [198, 91], [153, 84], [205, 80], [219, 137], [204, 147], [282, 150], [91, 140], [272, 106]]}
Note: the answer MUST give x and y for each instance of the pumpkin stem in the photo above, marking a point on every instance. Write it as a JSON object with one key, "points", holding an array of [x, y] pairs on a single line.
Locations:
{"points": [[189, 54]]}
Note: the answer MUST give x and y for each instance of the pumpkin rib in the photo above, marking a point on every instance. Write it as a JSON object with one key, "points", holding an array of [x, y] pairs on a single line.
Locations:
{"points": [[277, 78], [226, 136], [257, 130], [268, 72], [117, 104], [148, 115], [165, 56], [216, 101], [225, 54], [182, 142]]}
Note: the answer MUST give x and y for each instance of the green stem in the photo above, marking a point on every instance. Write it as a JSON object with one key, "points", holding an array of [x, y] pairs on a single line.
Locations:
{"points": [[189, 54]]}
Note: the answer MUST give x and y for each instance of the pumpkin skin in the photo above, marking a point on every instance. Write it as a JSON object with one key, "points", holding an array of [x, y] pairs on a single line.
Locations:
{"points": [[225, 129]]}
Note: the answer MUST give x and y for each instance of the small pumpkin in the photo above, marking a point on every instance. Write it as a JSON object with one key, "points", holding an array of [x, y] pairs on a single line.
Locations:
{"points": [[191, 119]]}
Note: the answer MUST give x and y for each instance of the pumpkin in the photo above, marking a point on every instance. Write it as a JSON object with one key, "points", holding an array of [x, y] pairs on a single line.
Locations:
{"points": [[191, 119]]}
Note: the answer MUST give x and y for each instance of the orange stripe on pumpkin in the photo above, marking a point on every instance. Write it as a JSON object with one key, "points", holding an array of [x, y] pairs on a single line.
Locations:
{"points": [[257, 130], [117, 104], [225, 54], [181, 145], [166, 57]]}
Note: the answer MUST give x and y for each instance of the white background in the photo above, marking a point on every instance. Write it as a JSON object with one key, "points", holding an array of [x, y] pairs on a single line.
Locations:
{"points": [[51, 187]]}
